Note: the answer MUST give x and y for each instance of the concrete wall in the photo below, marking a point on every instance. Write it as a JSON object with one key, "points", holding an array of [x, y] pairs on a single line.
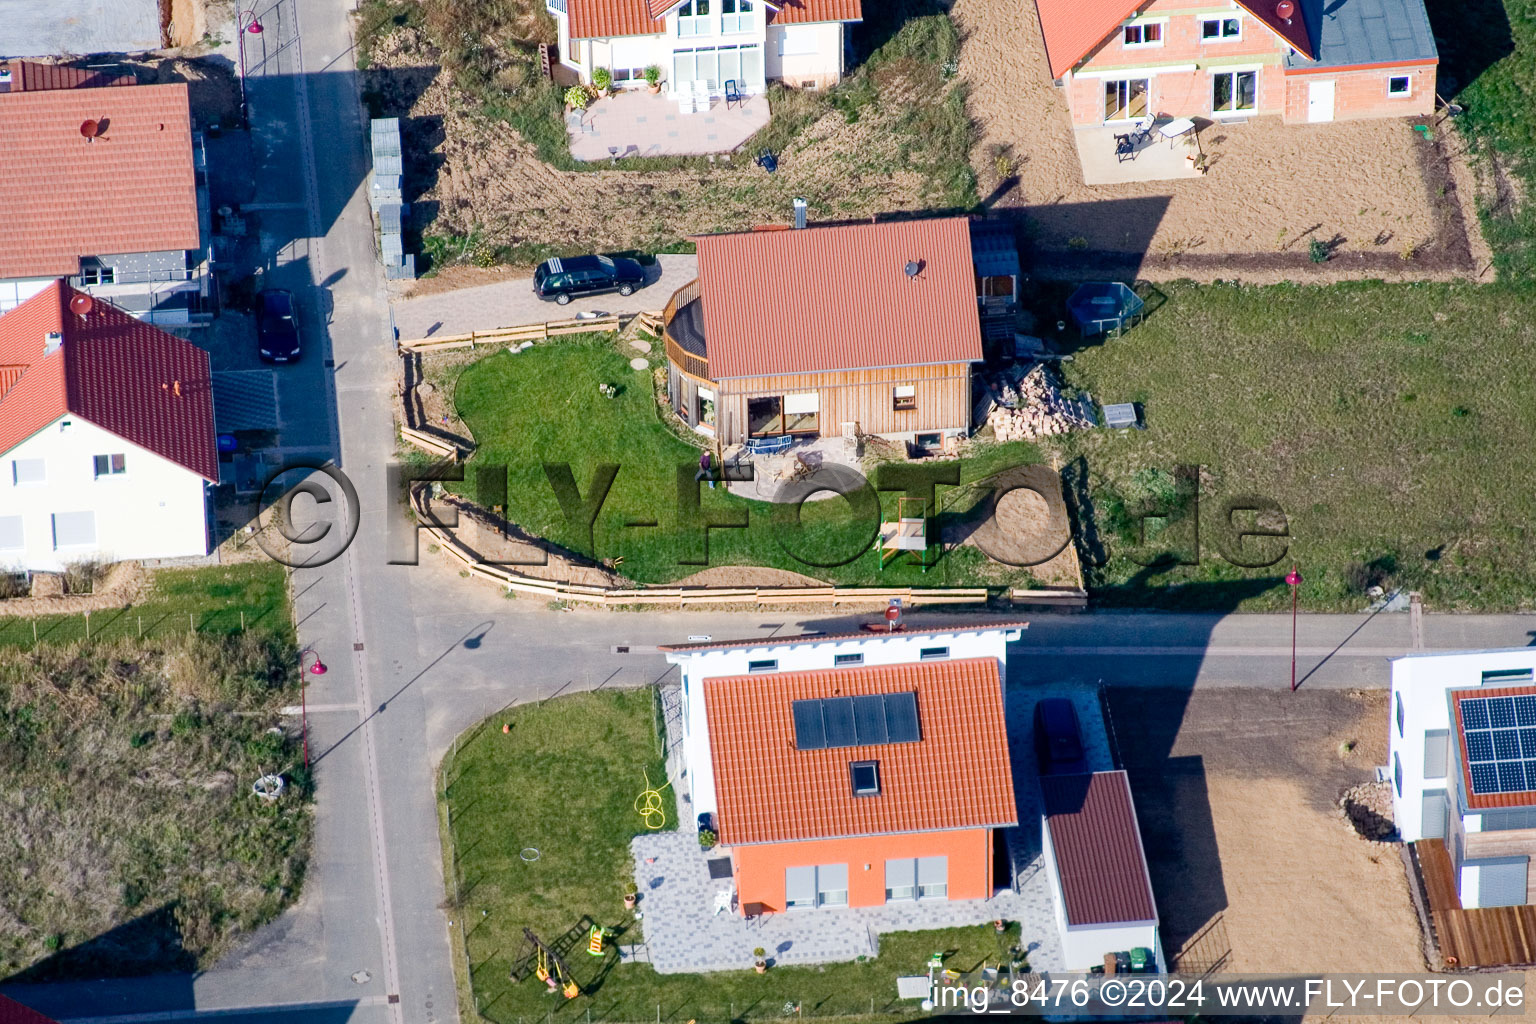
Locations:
{"points": [[155, 509], [760, 868]]}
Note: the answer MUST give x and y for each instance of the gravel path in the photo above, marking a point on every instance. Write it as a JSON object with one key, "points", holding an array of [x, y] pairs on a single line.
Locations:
{"points": [[512, 303]]}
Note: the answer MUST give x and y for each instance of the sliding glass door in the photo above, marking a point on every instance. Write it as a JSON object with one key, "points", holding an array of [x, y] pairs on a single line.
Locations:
{"points": [[1126, 99]]}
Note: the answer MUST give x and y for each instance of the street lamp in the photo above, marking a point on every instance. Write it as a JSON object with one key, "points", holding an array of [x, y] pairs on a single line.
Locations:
{"points": [[318, 668], [241, 28], [1293, 580]]}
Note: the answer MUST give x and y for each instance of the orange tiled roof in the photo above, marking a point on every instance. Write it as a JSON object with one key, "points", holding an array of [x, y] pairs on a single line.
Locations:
{"points": [[602, 19], [61, 197], [1072, 28], [838, 297], [957, 776], [33, 76], [795, 12]]}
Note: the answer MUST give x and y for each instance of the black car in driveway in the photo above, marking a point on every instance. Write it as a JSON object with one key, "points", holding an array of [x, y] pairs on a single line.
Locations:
{"points": [[277, 329], [1058, 740], [566, 277]]}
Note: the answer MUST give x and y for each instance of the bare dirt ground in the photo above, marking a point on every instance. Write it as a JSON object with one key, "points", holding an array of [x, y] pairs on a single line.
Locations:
{"points": [[467, 172], [1237, 792], [122, 585], [1392, 205]]}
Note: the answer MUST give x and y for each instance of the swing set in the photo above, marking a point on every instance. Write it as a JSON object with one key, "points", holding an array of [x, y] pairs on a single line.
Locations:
{"points": [[908, 533], [547, 966]]}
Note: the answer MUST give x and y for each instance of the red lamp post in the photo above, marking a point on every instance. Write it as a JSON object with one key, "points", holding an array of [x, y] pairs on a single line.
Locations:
{"points": [[318, 668], [1293, 580], [241, 28]]}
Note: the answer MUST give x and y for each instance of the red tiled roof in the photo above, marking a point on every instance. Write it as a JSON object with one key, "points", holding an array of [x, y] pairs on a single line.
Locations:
{"points": [[816, 638], [837, 297], [1072, 28], [601, 19], [956, 776], [12, 1012], [35, 76], [1479, 801], [798, 12], [1097, 848], [112, 370], [62, 197]]}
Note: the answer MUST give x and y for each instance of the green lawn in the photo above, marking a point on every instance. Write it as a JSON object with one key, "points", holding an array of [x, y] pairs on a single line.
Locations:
{"points": [[564, 781], [211, 600], [1392, 423], [543, 405]]}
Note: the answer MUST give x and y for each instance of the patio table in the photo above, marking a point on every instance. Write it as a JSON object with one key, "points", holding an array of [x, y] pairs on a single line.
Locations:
{"points": [[1173, 129]]}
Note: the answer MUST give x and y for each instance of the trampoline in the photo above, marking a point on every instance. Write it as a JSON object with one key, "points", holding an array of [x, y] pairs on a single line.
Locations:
{"points": [[1103, 307]]}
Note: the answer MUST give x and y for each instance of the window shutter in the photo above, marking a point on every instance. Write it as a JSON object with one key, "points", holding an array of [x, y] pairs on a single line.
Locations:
{"points": [[900, 873], [1501, 881], [800, 404], [1433, 812], [800, 887], [932, 870], [11, 537], [832, 884], [906, 391], [1437, 745], [74, 529]]}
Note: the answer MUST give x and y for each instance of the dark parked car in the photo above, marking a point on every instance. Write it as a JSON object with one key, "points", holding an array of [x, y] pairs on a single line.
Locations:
{"points": [[1058, 740], [563, 278], [277, 331]]}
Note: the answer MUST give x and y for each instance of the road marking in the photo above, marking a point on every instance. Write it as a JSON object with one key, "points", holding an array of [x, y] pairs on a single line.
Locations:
{"points": [[382, 892], [315, 709], [230, 1011]]}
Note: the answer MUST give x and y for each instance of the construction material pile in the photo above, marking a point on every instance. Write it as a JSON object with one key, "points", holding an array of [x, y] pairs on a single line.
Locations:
{"points": [[1033, 407]]}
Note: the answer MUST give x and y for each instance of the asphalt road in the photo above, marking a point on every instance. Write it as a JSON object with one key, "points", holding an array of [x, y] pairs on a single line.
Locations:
{"points": [[417, 654]]}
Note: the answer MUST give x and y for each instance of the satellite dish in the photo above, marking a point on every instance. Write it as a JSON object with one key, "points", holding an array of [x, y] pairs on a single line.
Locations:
{"points": [[1285, 8], [81, 304], [90, 129], [913, 268]]}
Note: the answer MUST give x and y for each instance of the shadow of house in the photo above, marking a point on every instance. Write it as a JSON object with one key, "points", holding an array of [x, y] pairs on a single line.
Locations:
{"points": [[1471, 35]]}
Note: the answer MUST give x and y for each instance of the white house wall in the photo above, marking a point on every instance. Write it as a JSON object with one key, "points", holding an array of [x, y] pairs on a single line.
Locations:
{"points": [[878, 649], [154, 509], [798, 54], [1421, 683]]}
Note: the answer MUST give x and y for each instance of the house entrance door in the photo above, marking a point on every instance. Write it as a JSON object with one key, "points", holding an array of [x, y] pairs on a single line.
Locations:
{"points": [[1320, 101]]}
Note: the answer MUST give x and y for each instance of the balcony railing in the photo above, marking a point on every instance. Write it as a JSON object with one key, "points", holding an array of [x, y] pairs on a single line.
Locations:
{"points": [[555, 5], [686, 361]]}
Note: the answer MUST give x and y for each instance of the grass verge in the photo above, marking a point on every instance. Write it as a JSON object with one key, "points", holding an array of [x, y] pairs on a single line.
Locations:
{"points": [[1389, 422], [213, 599], [563, 781], [543, 406], [130, 841]]}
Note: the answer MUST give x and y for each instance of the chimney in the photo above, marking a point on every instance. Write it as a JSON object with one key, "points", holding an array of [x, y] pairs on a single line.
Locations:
{"points": [[52, 342], [799, 212]]}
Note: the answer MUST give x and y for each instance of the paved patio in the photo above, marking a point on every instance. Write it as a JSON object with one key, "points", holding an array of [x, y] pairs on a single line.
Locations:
{"points": [[1155, 159], [684, 934], [771, 474], [636, 122]]}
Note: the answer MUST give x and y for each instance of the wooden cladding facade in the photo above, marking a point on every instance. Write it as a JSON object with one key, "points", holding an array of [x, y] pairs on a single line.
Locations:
{"points": [[941, 398]]}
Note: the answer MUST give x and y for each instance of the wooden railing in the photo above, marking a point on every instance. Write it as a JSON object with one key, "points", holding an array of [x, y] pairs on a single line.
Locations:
{"points": [[686, 361], [528, 332], [681, 597]]}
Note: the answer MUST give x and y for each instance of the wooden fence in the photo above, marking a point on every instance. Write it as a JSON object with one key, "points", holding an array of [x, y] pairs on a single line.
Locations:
{"points": [[684, 597], [1050, 598], [533, 332], [432, 445]]}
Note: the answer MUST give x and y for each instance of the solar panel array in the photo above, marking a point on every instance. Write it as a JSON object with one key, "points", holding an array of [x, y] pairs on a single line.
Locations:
{"points": [[1499, 734], [824, 723]]}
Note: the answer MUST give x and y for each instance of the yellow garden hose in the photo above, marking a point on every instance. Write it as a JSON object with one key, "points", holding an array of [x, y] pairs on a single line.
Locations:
{"points": [[649, 806]]}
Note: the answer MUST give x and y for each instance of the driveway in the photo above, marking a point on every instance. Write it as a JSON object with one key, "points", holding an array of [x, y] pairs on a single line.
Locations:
{"points": [[512, 303]]}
